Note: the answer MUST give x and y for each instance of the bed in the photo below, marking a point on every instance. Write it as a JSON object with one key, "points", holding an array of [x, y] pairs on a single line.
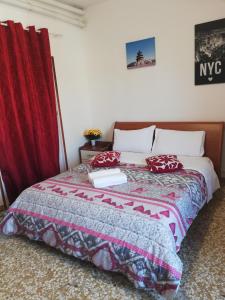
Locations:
{"points": [[135, 228]]}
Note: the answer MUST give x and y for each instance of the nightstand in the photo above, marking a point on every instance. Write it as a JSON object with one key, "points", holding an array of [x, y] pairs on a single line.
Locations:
{"points": [[87, 151]]}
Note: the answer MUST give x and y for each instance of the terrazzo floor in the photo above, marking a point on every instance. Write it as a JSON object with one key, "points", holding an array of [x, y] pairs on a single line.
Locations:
{"points": [[33, 271]]}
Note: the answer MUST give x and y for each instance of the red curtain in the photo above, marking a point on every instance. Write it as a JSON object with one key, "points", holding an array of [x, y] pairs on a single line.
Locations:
{"points": [[29, 144]]}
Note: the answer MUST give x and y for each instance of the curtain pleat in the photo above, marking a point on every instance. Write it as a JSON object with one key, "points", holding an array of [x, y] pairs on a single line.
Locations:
{"points": [[28, 120]]}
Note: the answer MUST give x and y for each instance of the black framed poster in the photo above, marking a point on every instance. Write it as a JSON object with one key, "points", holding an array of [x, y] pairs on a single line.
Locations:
{"points": [[210, 52]]}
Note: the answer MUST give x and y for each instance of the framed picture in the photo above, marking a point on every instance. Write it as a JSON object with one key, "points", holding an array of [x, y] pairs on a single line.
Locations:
{"points": [[141, 53], [210, 52]]}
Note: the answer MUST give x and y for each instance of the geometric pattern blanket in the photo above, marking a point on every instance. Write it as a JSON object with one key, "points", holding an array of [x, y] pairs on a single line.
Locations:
{"points": [[134, 228]]}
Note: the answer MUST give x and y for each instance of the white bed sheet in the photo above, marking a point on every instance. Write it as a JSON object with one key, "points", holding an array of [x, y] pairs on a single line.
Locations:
{"points": [[201, 164]]}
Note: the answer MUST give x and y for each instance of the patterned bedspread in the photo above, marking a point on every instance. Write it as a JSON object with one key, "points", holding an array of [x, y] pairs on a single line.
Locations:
{"points": [[134, 228]]}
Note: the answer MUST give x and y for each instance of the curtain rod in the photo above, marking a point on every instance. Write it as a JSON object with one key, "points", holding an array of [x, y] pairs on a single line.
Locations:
{"points": [[4, 23]]}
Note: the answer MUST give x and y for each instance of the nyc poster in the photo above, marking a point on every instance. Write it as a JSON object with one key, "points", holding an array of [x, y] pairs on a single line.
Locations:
{"points": [[210, 52]]}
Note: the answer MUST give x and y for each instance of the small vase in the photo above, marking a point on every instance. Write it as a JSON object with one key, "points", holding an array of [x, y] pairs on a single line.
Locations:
{"points": [[93, 142]]}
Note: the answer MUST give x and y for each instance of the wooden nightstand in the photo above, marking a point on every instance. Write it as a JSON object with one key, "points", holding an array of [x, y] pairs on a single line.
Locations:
{"points": [[87, 151]]}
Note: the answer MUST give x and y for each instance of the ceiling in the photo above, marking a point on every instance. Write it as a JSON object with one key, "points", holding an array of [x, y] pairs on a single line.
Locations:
{"points": [[81, 3], [69, 11]]}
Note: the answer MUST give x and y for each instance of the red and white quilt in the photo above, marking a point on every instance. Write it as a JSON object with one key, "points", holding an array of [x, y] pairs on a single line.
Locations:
{"points": [[135, 228]]}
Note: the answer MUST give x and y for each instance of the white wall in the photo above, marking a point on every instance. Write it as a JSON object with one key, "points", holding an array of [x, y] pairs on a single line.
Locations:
{"points": [[165, 92], [70, 59]]}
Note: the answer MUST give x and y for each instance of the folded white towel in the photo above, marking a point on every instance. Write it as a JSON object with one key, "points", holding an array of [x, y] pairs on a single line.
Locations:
{"points": [[96, 174], [114, 179]]}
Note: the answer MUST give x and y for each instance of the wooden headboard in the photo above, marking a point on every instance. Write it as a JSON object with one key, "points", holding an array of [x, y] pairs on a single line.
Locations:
{"points": [[213, 140]]}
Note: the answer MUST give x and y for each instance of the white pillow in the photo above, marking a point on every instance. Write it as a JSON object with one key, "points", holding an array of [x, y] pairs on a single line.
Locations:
{"points": [[190, 143], [139, 140]]}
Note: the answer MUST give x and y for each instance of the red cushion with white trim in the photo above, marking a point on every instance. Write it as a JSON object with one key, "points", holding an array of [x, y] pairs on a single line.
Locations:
{"points": [[106, 159], [163, 163]]}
